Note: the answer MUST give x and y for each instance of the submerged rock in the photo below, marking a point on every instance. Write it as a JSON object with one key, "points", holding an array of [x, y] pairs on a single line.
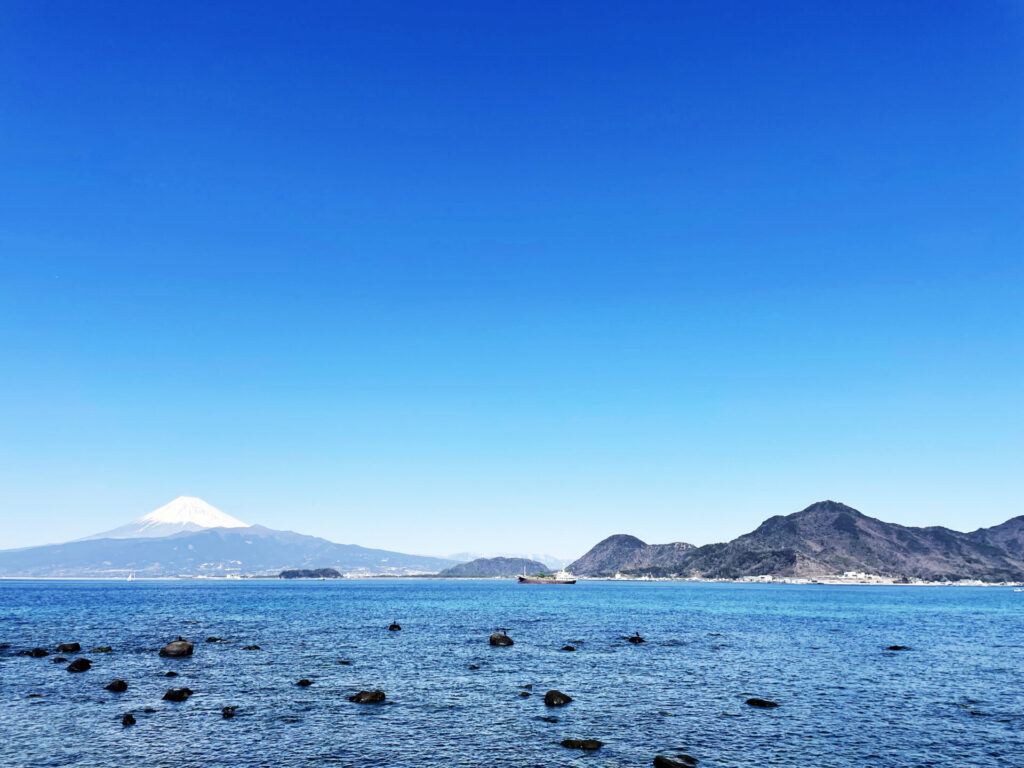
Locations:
{"points": [[555, 698], [474, 666], [568, 648], [368, 697], [636, 638], [35, 653], [499, 638], [172, 673], [549, 719], [227, 713], [394, 627], [898, 648], [304, 682], [59, 659], [762, 703], [251, 648], [117, 685], [216, 640], [69, 648], [102, 649], [680, 761], [128, 719], [586, 744], [345, 663], [79, 665], [176, 648], [524, 694], [178, 694]]}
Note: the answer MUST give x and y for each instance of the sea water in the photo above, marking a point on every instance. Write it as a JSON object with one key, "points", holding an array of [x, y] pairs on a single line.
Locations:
{"points": [[954, 698]]}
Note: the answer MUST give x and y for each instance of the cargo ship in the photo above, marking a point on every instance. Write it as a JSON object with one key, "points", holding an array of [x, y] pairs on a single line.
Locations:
{"points": [[562, 577]]}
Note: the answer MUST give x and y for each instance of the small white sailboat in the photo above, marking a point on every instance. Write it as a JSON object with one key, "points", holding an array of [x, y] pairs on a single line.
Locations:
{"points": [[131, 576]]}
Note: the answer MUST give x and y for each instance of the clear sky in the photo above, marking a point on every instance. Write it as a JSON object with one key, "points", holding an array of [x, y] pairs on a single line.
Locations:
{"points": [[510, 276]]}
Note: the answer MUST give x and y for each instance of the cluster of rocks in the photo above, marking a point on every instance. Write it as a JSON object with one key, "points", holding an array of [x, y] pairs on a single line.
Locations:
{"points": [[553, 698]]}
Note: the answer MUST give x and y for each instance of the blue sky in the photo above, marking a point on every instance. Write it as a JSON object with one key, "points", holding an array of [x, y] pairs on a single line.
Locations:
{"points": [[510, 277]]}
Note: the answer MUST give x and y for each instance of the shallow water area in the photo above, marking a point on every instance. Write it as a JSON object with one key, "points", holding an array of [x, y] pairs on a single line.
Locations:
{"points": [[954, 697]]}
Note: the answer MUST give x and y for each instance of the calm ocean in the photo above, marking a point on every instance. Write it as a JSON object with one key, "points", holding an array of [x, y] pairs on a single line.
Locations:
{"points": [[955, 698]]}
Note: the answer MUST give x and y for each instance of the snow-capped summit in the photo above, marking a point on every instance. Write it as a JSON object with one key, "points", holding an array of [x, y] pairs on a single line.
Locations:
{"points": [[185, 513]]}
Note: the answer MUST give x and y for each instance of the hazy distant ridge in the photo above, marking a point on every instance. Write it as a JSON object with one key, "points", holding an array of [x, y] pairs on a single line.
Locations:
{"points": [[497, 566]]}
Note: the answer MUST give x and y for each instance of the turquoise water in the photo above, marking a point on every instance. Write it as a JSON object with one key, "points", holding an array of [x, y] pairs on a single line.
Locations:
{"points": [[956, 698]]}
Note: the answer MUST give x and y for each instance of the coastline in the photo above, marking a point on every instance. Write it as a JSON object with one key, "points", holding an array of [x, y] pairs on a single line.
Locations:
{"points": [[781, 581]]}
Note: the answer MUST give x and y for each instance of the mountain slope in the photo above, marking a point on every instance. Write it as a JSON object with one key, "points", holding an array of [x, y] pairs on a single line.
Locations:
{"points": [[608, 556], [496, 566], [1008, 536], [215, 551], [829, 538], [627, 553]]}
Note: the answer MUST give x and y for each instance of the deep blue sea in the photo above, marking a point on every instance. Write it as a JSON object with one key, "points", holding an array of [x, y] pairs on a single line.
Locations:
{"points": [[955, 698]]}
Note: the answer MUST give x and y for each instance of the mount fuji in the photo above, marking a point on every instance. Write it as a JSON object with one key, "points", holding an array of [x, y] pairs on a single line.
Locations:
{"points": [[189, 537], [185, 513]]}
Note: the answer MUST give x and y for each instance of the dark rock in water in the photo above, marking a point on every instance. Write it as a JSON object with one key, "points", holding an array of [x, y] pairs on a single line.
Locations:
{"points": [[636, 638], [345, 663], [102, 649], [172, 673], [128, 719], [250, 648], [898, 648], [117, 685], [304, 682], [59, 659], [555, 698], [762, 703], [568, 648], [680, 761], [149, 710], [394, 627], [34, 696], [549, 719], [474, 666], [227, 713], [587, 744], [368, 697], [215, 640], [524, 694], [177, 694], [69, 648], [177, 647], [35, 653], [79, 665], [500, 639]]}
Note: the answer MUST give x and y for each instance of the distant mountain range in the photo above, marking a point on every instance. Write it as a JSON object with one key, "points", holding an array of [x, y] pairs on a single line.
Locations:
{"points": [[826, 538], [189, 537], [496, 566]]}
